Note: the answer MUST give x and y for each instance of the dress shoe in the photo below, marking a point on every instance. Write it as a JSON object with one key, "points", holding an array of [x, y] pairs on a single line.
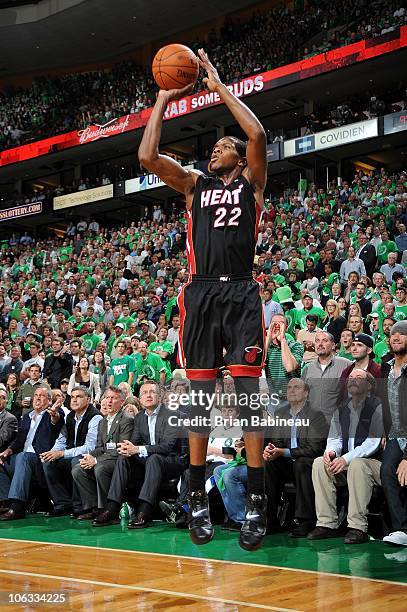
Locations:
{"points": [[105, 519], [12, 515], [199, 521], [356, 536], [321, 533], [255, 525], [4, 509], [140, 521], [301, 530], [87, 515]]}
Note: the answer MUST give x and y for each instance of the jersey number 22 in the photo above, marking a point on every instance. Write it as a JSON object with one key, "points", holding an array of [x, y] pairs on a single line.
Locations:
{"points": [[232, 220]]}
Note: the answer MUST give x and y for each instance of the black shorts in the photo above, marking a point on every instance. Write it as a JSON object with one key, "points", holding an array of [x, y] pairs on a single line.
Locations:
{"points": [[222, 325]]}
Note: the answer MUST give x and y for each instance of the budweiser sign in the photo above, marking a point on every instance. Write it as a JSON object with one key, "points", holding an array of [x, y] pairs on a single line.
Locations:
{"points": [[111, 128]]}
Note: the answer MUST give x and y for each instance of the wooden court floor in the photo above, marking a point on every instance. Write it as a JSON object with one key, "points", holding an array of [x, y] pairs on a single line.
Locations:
{"points": [[95, 579]]}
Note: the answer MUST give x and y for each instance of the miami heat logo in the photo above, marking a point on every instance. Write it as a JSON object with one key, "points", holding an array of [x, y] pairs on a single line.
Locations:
{"points": [[251, 353]]}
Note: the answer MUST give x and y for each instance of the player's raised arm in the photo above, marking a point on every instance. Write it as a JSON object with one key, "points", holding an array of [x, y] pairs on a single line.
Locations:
{"points": [[169, 170], [256, 152]]}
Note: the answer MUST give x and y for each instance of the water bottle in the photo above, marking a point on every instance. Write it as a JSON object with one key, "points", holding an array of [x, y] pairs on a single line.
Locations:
{"points": [[124, 512]]}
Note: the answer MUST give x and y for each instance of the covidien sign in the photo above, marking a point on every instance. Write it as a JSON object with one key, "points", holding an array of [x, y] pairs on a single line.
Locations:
{"points": [[335, 137]]}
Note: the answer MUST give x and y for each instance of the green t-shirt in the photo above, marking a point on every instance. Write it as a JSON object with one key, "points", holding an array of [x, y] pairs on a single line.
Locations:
{"points": [[135, 357], [400, 313], [126, 321], [120, 369], [380, 350], [345, 355], [290, 316], [301, 315], [150, 367], [168, 348], [386, 247], [279, 279], [113, 341], [90, 342], [169, 306], [64, 253]]}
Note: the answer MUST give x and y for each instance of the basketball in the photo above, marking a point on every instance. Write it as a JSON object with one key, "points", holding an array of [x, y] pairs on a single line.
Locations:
{"points": [[175, 66]]}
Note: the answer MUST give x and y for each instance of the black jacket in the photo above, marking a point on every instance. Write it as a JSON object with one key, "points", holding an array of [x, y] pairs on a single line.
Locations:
{"points": [[57, 368], [335, 327], [167, 437], [369, 258], [82, 427], [311, 440]]}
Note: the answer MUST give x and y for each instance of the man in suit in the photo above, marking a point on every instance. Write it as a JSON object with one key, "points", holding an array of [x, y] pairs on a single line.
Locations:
{"points": [[150, 456], [290, 455], [93, 473], [8, 422], [77, 438], [21, 459], [367, 253], [70, 300]]}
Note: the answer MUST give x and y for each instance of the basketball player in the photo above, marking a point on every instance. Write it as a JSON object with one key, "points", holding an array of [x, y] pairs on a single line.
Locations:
{"points": [[220, 305]]}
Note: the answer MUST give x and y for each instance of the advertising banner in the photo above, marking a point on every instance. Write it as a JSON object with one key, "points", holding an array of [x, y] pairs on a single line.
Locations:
{"points": [[396, 122], [8, 214], [83, 197], [334, 137]]}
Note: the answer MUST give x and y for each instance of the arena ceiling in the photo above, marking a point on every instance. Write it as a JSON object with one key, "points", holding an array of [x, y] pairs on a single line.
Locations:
{"points": [[94, 30]]}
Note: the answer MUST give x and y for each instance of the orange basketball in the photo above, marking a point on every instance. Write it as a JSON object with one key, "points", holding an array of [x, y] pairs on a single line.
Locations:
{"points": [[175, 66]]}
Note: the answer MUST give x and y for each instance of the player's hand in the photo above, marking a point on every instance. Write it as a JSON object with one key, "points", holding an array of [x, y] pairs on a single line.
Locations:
{"points": [[176, 94], [212, 81]]}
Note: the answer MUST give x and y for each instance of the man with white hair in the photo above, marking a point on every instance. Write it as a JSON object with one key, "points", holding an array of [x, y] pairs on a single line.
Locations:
{"points": [[391, 267], [21, 460]]}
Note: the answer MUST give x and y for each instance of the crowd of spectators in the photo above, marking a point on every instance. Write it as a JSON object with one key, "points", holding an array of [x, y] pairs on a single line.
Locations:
{"points": [[89, 328], [58, 104], [356, 108]]}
